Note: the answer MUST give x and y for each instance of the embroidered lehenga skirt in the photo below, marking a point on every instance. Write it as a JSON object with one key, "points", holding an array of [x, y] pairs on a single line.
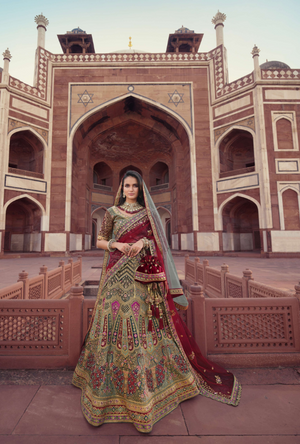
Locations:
{"points": [[127, 373]]}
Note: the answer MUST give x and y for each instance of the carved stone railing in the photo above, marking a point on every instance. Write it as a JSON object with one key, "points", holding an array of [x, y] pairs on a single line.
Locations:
{"points": [[48, 285], [222, 284], [244, 332], [235, 332]]}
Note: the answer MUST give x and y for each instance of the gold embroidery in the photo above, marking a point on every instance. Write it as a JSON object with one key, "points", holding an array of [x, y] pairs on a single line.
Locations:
{"points": [[106, 227], [218, 379], [192, 356]]}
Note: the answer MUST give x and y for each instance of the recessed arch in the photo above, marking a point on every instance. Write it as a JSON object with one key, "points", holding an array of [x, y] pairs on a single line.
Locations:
{"points": [[236, 152], [23, 224], [240, 224], [156, 126], [29, 158], [245, 196]]}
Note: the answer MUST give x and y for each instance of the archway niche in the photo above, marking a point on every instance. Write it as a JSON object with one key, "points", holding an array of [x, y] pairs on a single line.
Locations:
{"points": [[241, 225], [236, 153], [166, 222], [130, 134], [291, 210], [97, 219], [26, 154], [284, 134], [159, 176], [102, 176], [23, 226]]}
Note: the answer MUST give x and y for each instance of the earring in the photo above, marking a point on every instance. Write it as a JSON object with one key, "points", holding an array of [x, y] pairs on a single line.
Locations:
{"points": [[124, 195]]}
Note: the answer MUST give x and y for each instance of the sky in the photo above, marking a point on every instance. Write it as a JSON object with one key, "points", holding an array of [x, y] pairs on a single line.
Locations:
{"points": [[272, 25]]}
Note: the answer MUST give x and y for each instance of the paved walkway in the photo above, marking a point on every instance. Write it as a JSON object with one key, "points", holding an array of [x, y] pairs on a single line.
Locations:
{"points": [[280, 273], [43, 407]]}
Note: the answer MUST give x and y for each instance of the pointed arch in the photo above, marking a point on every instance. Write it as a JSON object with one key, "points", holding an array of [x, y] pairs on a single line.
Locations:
{"points": [[159, 106], [22, 196], [245, 196]]}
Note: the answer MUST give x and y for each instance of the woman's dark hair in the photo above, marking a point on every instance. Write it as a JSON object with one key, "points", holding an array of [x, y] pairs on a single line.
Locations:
{"points": [[138, 177]]}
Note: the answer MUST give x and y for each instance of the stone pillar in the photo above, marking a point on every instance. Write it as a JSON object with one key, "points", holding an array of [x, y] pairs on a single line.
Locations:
{"points": [[218, 21], [255, 54], [247, 276], [42, 24], [76, 299], [6, 59], [23, 277]]}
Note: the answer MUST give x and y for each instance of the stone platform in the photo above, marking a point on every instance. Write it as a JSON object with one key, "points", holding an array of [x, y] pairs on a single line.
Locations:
{"points": [[43, 407]]}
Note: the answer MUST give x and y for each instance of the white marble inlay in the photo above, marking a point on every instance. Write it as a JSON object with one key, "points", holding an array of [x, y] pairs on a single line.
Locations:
{"points": [[175, 241], [208, 242], [282, 94], [25, 184], [187, 241], [232, 106], [285, 241], [75, 242], [237, 183], [287, 166], [28, 108], [55, 242], [87, 242]]}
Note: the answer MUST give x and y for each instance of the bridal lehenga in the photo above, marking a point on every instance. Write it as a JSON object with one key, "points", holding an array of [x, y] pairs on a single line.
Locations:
{"points": [[139, 361]]}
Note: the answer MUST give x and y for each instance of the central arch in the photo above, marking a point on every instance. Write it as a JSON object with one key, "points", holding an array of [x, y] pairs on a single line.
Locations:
{"points": [[130, 132]]}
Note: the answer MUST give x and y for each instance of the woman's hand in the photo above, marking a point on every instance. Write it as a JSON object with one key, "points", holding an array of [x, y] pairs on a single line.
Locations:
{"points": [[129, 250], [123, 247], [136, 248]]}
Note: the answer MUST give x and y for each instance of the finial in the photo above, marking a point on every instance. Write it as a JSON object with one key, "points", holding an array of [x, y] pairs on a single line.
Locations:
{"points": [[218, 18], [6, 54], [255, 51], [130, 44], [41, 20]]}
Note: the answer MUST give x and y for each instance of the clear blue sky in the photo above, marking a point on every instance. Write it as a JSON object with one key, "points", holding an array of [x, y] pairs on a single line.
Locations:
{"points": [[272, 25]]}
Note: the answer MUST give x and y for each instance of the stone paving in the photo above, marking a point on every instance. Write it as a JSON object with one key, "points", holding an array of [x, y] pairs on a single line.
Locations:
{"points": [[38, 406]]}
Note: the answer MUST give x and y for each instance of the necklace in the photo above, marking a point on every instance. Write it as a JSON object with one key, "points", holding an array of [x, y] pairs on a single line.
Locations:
{"points": [[131, 207]]}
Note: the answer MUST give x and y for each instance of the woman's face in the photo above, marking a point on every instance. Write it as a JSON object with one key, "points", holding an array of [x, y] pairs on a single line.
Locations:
{"points": [[131, 189]]}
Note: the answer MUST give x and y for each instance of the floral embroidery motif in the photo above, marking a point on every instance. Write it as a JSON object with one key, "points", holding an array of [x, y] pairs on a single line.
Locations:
{"points": [[160, 373], [218, 379], [118, 378], [132, 382], [135, 307], [181, 364], [149, 380], [115, 308]]}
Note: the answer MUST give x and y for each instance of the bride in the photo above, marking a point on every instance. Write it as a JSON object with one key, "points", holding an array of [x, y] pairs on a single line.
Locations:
{"points": [[139, 360]]}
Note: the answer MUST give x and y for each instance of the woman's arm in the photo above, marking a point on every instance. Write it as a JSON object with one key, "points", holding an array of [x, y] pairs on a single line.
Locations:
{"points": [[128, 250]]}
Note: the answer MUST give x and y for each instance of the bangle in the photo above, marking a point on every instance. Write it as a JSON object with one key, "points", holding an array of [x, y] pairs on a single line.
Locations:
{"points": [[146, 243], [109, 247]]}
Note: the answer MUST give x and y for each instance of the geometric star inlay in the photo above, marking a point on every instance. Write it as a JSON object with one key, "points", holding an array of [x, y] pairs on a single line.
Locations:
{"points": [[176, 97], [85, 98]]}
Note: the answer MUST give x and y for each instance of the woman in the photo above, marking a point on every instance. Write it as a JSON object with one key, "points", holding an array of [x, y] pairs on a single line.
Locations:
{"points": [[139, 361]]}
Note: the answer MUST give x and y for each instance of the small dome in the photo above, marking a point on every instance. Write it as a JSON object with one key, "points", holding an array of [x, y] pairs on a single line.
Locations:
{"points": [[274, 65], [128, 51], [77, 31], [184, 30]]}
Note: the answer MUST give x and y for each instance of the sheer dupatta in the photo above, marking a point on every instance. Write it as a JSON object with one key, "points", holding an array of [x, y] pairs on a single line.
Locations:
{"points": [[214, 381]]}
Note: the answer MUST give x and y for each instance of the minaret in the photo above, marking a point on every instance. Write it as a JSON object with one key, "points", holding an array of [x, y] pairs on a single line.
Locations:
{"points": [[42, 24], [218, 21], [255, 54], [5, 73]]}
